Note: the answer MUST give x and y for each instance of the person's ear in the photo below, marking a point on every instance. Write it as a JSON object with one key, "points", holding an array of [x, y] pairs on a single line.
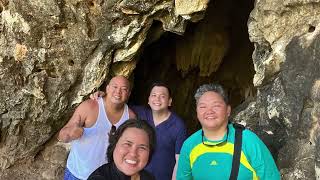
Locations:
{"points": [[170, 101], [228, 110], [107, 88], [129, 93]]}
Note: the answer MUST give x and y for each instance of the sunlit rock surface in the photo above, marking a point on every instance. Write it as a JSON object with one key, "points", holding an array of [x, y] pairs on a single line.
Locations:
{"points": [[286, 59], [54, 53]]}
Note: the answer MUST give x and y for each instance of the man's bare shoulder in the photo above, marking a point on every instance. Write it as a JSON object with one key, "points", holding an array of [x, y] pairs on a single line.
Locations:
{"points": [[90, 103], [89, 110], [88, 106]]}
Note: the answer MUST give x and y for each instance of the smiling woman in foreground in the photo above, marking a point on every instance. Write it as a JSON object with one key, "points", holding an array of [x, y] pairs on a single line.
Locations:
{"points": [[128, 153]]}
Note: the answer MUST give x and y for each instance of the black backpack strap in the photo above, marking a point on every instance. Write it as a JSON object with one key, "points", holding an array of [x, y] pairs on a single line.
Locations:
{"points": [[237, 151]]}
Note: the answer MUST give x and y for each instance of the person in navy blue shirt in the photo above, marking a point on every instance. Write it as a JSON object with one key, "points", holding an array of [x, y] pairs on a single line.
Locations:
{"points": [[170, 131]]}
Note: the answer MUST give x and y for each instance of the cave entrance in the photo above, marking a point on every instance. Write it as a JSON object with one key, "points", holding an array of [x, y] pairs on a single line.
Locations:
{"points": [[216, 49]]}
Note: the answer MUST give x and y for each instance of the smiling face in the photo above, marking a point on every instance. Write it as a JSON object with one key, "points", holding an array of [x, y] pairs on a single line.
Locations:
{"points": [[159, 98], [212, 111], [118, 90], [132, 150]]}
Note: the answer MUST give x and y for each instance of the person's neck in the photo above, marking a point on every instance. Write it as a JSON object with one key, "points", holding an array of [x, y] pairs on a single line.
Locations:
{"points": [[216, 133], [113, 111], [135, 176], [160, 116], [113, 107]]}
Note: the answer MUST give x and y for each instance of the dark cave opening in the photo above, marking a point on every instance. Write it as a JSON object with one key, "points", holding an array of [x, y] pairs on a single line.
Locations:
{"points": [[215, 49]]}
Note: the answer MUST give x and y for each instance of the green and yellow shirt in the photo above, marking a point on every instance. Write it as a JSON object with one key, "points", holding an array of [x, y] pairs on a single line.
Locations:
{"points": [[199, 161]]}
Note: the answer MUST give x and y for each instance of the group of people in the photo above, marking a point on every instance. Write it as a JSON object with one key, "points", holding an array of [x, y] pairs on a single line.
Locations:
{"points": [[110, 140]]}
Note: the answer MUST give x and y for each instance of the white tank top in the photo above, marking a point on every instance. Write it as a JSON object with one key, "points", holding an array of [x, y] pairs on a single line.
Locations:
{"points": [[89, 151]]}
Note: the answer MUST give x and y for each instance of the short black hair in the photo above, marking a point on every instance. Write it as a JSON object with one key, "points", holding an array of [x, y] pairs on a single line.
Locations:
{"points": [[132, 123], [161, 84]]}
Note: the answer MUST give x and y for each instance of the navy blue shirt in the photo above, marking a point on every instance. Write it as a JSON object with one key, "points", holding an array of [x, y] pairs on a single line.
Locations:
{"points": [[171, 134]]}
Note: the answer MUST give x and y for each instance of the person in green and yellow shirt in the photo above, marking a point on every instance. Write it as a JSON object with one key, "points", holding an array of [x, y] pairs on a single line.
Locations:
{"points": [[208, 153]]}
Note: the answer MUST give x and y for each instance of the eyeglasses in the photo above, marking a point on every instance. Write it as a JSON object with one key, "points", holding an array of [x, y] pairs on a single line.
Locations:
{"points": [[212, 144], [112, 130]]}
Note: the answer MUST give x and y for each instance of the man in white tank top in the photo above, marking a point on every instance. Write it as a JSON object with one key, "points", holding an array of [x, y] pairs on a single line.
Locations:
{"points": [[89, 127]]}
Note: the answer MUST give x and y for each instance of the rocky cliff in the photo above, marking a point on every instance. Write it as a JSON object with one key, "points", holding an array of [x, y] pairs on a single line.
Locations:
{"points": [[54, 53]]}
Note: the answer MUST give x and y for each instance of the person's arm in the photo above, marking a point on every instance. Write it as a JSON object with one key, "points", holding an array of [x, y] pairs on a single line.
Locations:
{"points": [[260, 157], [184, 171], [132, 115], [74, 128], [181, 137], [174, 173]]}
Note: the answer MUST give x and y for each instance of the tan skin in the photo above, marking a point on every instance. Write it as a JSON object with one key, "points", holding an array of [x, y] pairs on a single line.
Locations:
{"points": [[85, 115], [213, 113], [132, 151], [159, 101]]}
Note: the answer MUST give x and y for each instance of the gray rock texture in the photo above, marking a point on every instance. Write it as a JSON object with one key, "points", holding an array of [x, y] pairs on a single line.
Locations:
{"points": [[53, 53], [286, 59]]}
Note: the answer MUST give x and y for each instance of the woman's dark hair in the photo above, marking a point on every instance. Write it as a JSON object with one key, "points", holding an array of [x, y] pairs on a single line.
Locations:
{"points": [[161, 84], [131, 123]]}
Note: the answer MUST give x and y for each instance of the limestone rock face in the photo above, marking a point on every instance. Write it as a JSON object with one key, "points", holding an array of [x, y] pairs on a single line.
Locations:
{"points": [[186, 7], [286, 60], [52, 54]]}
